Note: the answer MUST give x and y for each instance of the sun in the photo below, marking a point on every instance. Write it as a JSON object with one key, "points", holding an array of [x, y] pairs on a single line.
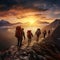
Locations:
{"points": [[30, 19], [31, 22]]}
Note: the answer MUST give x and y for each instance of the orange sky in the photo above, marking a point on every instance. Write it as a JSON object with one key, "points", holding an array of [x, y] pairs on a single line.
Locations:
{"points": [[26, 15]]}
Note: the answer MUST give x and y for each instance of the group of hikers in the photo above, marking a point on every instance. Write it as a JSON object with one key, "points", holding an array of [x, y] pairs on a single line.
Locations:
{"points": [[20, 34]]}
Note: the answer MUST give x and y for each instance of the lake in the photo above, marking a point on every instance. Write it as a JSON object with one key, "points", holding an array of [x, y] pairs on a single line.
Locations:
{"points": [[7, 36]]}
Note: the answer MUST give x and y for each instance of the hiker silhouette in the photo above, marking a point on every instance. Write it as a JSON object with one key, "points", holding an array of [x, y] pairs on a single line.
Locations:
{"points": [[29, 36], [49, 32], [44, 33], [38, 33], [19, 34], [23, 32]]}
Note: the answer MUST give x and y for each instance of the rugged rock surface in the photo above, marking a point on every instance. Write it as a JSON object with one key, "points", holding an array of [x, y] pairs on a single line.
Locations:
{"points": [[47, 49]]}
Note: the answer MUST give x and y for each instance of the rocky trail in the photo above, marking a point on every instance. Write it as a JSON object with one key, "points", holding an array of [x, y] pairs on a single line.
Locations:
{"points": [[47, 49]]}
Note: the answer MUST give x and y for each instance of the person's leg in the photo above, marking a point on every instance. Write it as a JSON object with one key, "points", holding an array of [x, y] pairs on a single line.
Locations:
{"points": [[29, 41], [37, 38], [18, 42], [44, 35]]}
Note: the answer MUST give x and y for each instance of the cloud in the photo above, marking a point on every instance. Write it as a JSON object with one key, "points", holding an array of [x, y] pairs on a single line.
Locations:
{"points": [[44, 9], [31, 3], [41, 5], [44, 22], [8, 4]]}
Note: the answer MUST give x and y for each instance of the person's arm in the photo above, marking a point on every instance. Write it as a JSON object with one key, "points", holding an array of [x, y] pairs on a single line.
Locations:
{"points": [[32, 34], [24, 35], [15, 33], [40, 31]]}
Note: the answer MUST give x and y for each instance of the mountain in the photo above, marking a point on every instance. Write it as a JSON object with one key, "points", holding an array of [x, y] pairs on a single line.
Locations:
{"points": [[56, 36], [6, 23], [56, 33], [53, 25]]}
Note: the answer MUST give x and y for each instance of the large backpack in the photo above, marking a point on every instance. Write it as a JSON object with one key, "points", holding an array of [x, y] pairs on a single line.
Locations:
{"points": [[29, 34], [38, 32], [18, 32]]}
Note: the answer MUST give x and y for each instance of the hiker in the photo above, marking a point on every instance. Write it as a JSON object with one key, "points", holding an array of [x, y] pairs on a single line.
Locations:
{"points": [[19, 35], [48, 32], [38, 33], [29, 36], [23, 32], [44, 33]]}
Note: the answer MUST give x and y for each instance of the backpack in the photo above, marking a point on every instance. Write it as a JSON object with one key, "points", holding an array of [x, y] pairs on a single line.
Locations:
{"points": [[18, 32], [38, 32], [29, 34]]}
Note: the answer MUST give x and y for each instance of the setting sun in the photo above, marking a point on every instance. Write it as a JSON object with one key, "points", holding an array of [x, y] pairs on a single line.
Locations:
{"points": [[31, 22], [30, 19]]}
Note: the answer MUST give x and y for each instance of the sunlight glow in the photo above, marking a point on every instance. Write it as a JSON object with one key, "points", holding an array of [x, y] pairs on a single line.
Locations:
{"points": [[30, 19]]}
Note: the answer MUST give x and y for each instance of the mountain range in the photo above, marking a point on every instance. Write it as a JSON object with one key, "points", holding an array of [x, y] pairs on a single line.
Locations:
{"points": [[56, 33], [53, 25], [6, 23]]}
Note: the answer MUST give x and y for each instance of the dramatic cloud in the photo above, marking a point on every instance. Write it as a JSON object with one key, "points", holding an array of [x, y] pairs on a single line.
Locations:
{"points": [[17, 9], [41, 4]]}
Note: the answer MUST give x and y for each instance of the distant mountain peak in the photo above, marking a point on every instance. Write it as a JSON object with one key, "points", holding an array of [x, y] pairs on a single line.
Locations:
{"points": [[3, 21], [53, 25], [7, 23], [57, 20]]}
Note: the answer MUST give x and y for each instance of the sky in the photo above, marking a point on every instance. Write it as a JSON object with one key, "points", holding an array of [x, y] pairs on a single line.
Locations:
{"points": [[33, 11]]}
